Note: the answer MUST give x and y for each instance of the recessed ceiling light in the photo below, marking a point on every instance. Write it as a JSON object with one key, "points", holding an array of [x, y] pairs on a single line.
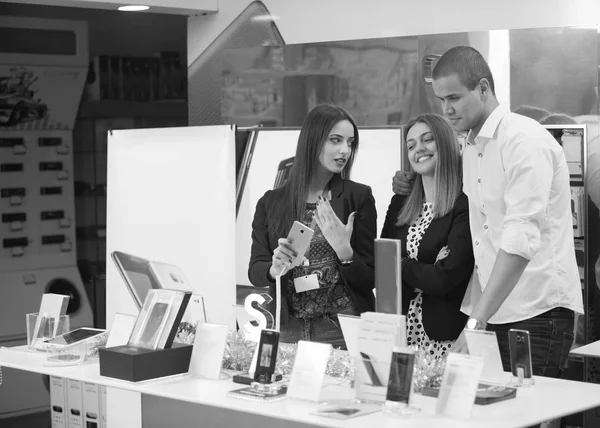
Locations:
{"points": [[133, 8]]}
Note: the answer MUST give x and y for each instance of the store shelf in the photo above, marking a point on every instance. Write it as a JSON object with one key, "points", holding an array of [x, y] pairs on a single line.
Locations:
{"points": [[175, 109]]}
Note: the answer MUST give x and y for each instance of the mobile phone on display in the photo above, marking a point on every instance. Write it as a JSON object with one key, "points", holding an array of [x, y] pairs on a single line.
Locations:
{"points": [[370, 370], [388, 276], [520, 353], [401, 373], [342, 411], [266, 356], [137, 275], [300, 237], [73, 337], [154, 325]]}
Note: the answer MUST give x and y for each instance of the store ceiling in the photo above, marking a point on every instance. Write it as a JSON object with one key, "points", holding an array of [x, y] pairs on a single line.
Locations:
{"points": [[177, 7]]}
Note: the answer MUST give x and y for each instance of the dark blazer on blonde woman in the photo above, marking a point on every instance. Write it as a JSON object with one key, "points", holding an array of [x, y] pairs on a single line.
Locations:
{"points": [[346, 197], [443, 283]]}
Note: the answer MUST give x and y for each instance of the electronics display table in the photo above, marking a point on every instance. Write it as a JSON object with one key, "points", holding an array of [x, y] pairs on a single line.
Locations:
{"points": [[187, 401], [589, 350]]}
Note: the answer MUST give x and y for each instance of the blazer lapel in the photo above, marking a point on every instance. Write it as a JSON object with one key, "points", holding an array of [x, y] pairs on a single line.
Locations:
{"points": [[337, 201]]}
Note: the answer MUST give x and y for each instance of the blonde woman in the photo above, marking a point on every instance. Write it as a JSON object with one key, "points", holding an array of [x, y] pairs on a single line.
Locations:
{"points": [[432, 222]]}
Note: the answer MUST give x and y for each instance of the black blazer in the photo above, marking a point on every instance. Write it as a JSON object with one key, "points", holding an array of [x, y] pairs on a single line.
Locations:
{"points": [[346, 197], [443, 283]]}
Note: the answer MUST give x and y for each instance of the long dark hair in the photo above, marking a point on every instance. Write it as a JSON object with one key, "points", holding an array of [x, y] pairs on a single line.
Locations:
{"points": [[447, 175], [315, 130]]}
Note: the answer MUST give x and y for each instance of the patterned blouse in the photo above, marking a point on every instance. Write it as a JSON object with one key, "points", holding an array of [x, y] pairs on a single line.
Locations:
{"points": [[415, 332], [332, 294]]}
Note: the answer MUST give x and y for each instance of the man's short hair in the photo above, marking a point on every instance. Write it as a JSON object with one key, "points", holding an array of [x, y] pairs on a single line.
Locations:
{"points": [[467, 63]]}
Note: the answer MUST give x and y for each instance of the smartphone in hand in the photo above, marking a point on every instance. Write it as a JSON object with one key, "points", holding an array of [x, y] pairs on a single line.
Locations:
{"points": [[299, 237]]}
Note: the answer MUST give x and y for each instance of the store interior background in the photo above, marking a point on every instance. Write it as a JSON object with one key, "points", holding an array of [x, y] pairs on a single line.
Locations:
{"points": [[373, 70]]}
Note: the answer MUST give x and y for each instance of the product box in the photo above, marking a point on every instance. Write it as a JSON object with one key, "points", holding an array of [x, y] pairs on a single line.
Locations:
{"points": [[58, 399], [136, 364], [75, 403], [91, 405], [103, 407]]}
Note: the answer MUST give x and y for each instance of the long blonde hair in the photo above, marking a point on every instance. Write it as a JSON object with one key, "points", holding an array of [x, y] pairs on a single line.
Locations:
{"points": [[447, 175]]}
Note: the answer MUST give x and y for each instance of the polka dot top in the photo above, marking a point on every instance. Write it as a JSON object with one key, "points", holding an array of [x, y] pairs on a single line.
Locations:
{"points": [[415, 332], [417, 230]]}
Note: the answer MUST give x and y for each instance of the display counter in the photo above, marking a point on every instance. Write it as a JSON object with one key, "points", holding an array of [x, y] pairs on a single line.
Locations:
{"points": [[591, 350], [186, 401]]}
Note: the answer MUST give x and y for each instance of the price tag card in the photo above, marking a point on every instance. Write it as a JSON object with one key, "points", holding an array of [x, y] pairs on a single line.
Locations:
{"points": [[209, 346], [309, 370], [459, 385], [484, 344]]}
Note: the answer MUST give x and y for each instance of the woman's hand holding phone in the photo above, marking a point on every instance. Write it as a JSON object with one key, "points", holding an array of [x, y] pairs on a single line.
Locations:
{"points": [[283, 257], [337, 233]]}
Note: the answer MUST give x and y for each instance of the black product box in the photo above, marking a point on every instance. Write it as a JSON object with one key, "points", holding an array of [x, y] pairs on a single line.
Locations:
{"points": [[136, 364]]}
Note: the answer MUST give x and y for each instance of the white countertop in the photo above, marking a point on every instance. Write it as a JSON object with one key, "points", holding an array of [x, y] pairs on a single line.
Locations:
{"points": [[589, 350], [548, 399]]}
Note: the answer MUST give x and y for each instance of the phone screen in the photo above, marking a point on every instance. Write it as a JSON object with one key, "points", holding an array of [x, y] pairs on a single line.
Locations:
{"points": [[137, 274], [152, 328], [401, 373], [267, 355], [73, 336]]}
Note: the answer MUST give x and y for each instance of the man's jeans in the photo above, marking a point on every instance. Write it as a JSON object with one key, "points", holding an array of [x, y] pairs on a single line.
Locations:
{"points": [[550, 335]]}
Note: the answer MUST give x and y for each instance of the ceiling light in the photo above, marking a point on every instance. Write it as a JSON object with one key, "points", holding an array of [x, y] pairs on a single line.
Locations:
{"points": [[133, 8]]}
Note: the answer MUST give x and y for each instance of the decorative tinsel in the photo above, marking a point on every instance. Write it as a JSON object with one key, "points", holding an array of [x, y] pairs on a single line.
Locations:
{"points": [[428, 370], [239, 353], [186, 333]]}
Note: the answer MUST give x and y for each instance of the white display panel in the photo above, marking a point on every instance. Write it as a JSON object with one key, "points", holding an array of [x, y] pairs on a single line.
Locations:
{"points": [[171, 198], [379, 157]]}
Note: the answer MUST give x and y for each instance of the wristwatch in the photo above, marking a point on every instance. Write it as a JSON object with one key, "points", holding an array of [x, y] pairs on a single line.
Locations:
{"points": [[346, 263], [475, 324]]}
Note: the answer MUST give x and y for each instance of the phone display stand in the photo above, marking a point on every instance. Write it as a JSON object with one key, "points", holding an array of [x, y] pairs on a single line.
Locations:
{"points": [[267, 388], [393, 408], [45, 329], [85, 349], [520, 380]]}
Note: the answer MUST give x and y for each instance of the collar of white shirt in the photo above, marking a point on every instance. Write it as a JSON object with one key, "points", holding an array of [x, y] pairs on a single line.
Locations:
{"points": [[489, 126]]}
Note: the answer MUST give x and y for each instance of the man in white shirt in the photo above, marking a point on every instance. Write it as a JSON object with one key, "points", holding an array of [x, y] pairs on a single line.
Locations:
{"points": [[517, 182]]}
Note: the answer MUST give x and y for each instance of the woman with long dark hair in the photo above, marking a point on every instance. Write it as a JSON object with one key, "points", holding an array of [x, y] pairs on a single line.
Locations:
{"points": [[337, 273], [432, 222]]}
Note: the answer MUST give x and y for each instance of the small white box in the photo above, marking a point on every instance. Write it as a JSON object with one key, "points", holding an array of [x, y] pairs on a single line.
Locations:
{"points": [[58, 398], [75, 403], [91, 405], [103, 409]]}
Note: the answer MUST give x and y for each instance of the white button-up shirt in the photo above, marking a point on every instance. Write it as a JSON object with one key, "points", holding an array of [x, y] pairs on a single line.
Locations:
{"points": [[515, 175]]}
